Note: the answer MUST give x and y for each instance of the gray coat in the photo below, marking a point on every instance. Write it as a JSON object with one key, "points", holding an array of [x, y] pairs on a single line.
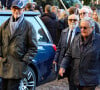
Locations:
{"points": [[17, 50]]}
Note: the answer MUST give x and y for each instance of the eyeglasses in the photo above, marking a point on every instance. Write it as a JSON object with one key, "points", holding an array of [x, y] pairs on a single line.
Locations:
{"points": [[84, 27], [82, 13], [72, 20]]}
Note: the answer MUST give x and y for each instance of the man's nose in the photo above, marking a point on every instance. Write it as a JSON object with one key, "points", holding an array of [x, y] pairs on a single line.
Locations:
{"points": [[73, 21]]}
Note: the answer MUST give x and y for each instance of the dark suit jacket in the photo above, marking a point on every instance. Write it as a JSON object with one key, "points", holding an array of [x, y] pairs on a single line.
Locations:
{"points": [[85, 65], [62, 45], [97, 28]]}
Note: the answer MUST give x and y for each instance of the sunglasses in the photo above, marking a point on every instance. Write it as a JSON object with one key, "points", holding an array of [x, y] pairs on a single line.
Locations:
{"points": [[82, 13], [84, 27], [72, 20]]}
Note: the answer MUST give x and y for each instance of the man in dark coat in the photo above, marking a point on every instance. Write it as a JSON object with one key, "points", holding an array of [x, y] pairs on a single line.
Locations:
{"points": [[84, 57], [3, 3], [6, 3], [63, 43], [18, 46], [9, 3], [51, 22]]}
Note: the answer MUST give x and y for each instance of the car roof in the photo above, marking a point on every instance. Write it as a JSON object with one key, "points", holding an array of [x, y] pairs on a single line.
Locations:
{"points": [[26, 13]]}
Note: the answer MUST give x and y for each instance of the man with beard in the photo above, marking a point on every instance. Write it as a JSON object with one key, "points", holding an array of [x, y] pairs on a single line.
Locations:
{"points": [[66, 39]]}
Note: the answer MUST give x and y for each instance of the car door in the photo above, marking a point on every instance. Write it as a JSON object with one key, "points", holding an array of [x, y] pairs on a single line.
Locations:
{"points": [[46, 50]]}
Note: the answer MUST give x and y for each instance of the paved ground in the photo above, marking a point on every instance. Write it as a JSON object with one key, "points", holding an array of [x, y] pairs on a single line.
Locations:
{"points": [[56, 85]]}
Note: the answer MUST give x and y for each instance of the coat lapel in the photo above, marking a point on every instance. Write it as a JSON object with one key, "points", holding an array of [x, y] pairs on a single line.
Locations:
{"points": [[7, 32], [76, 47], [77, 30], [65, 36]]}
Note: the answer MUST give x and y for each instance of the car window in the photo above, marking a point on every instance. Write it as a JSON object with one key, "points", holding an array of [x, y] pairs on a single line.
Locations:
{"points": [[3, 19], [41, 36]]}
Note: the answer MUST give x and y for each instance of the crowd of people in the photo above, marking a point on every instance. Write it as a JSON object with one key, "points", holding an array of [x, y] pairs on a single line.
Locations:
{"points": [[76, 34]]}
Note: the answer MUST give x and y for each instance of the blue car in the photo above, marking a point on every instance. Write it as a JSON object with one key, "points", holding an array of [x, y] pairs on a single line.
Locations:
{"points": [[41, 69]]}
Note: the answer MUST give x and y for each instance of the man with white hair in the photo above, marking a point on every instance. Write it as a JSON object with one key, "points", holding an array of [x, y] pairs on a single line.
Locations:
{"points": [[83, 13], [86, 11], [67, 36], [84, 57]]}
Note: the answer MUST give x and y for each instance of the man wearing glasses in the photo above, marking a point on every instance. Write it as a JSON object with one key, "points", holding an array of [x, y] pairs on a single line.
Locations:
{"points": [[66, 39], [86, 11], [83, 13], [84, 57]]}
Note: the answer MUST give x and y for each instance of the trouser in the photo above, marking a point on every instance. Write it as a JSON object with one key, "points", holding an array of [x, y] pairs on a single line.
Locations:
{"points": [[86, 87], [72, 86], [10, 84]]}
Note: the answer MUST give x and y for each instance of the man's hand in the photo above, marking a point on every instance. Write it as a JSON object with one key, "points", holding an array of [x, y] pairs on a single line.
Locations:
{"points": [[61, 71]]}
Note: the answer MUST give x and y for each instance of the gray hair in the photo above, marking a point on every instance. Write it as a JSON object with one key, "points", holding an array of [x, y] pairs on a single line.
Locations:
{"points": [[90, 20], [89, 8], [85, 9]]}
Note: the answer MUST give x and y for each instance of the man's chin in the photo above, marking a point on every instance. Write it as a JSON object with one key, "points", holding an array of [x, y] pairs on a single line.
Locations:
{"points": [[16, 16]]}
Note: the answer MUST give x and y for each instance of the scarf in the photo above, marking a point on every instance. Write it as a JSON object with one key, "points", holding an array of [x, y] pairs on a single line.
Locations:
{"points": [[14, 25]]}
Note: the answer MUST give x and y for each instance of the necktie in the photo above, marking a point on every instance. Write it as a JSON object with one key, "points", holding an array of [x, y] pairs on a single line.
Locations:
{"points": [[69, 40]]}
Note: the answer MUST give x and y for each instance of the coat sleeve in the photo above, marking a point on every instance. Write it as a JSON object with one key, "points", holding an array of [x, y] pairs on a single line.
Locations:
{"points": [[67, 58], [32, 45], [56, 58]]}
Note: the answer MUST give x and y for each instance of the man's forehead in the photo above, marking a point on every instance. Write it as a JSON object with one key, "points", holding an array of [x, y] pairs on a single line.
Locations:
{"points": [[85, 23], [72, 17], [82, 10]]}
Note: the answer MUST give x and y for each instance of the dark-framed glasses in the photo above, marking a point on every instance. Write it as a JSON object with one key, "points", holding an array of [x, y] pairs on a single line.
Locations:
{"points": [[72, 20], [83, 13], [84, 27]]}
